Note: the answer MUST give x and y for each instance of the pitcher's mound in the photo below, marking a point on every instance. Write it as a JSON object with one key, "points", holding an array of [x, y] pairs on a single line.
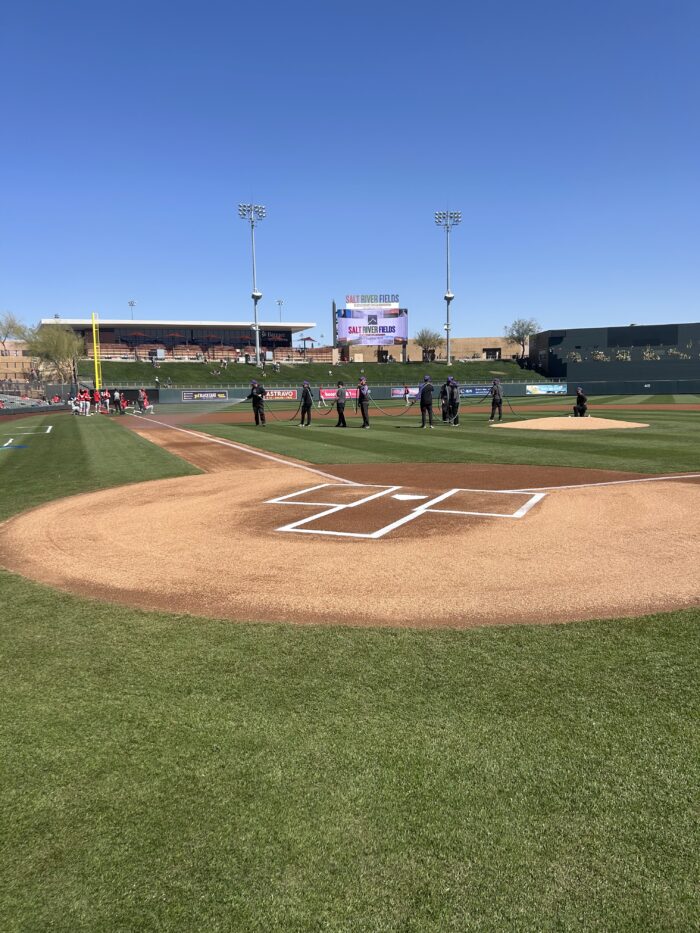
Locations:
{"points": [[571, 424]]}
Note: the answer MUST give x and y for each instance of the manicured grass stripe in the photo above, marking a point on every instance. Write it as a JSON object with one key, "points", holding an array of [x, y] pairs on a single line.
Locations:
{"points": [[670, 444], [172, 774], [80, 454]]}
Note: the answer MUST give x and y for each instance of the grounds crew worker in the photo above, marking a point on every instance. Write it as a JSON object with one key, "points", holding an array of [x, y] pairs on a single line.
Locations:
{"points": [[307, 401], [257, 394], [452, 401], [425, 397], [363, 401], [340, 396], [580, 408], [496, 394], [443, 400]]}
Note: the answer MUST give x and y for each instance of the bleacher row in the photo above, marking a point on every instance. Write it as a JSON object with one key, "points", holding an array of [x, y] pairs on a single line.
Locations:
{"points": [[192, 353], [17, 401]]}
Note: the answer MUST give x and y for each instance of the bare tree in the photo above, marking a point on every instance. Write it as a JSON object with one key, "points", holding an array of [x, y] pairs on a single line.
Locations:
{"points": [[429, 341], [520, 332]]}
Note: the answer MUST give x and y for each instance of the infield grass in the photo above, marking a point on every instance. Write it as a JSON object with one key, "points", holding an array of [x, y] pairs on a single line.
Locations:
{"points": [[166, 773], [670, 444], [172, 774]]}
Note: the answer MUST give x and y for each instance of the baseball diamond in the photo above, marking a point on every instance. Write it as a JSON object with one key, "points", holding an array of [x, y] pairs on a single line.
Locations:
{"points": [[523, 525]]}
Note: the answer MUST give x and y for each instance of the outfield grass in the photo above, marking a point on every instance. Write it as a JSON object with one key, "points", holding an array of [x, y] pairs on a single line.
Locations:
{"points": [[670, 443], [165, 773], [199, 374]]}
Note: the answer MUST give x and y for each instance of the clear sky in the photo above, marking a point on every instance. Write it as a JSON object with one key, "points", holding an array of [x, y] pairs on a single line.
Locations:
{"points": [[566, 131]]}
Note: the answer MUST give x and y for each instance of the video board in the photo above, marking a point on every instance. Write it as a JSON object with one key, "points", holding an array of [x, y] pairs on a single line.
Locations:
{"points": [[371, 323]]}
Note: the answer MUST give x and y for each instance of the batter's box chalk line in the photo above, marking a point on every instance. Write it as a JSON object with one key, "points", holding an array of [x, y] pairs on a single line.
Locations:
{"points": [[315, 497]]}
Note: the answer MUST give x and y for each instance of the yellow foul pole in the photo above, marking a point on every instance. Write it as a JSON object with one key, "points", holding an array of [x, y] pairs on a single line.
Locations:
{"points": [[96, 351]]}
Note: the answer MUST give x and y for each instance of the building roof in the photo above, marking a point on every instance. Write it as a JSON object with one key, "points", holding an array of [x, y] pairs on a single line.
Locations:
{"points": [[128, 322]]}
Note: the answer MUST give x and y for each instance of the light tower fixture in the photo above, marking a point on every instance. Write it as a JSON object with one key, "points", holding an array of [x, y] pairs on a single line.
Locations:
{"points": [[448, 219], [280, 302], [253, 214], [132, 304]]}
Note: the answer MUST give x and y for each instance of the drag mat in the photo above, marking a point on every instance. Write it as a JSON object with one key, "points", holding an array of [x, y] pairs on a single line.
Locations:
{"points": [[218, 546]]}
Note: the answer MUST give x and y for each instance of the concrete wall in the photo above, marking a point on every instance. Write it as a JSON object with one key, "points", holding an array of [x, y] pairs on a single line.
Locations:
{"points": [[461, 348]]}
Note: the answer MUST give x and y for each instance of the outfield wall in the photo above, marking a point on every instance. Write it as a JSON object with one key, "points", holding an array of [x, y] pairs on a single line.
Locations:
{"points": [[469, 390]]}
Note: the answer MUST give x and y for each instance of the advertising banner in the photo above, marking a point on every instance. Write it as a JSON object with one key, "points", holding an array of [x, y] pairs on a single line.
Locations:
{"points": [[375, 326], [328, 395], [400, 393], [471, 391], [545, 388], [196, 396], [289, 395]]}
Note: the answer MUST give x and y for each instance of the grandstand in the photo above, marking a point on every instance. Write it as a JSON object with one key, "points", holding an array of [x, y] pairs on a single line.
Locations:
{"points": [[184, 341], [636, 352]]}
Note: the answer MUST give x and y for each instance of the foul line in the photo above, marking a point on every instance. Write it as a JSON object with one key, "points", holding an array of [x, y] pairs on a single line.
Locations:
{"points": [[340, 479], [252, 451], [613, 482]]}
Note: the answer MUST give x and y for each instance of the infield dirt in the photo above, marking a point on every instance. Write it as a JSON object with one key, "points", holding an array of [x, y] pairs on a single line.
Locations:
{"points": [[211, 544]]}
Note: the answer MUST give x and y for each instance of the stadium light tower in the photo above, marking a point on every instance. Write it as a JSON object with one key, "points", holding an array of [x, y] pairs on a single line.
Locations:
{"points": [[448, 220], [280, 302], [254, 213], [132, 304]]}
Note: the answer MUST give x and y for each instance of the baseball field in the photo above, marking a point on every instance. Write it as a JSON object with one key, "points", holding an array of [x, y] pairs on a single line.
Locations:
{"points": [[323, 679]]}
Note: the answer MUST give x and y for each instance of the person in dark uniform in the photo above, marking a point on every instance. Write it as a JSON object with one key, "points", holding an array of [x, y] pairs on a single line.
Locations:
{"points": [[443, 400], [452, 401], [581, 406], [307, 401], [257, 395], [496, 400], [425, 397], [363, 400], [340, 396]]}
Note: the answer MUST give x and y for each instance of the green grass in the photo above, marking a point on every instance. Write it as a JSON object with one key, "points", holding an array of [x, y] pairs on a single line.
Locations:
{"points": [[670, 443], [165, 773], [79, 455], [171, 774], [198, 374]]}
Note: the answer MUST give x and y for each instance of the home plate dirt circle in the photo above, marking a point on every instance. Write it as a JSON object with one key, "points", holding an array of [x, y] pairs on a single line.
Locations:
{"points": [[211, 545]]}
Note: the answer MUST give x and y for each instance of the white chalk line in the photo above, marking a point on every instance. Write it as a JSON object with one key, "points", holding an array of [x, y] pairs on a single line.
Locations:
{"points": [[48, 430], [411, 515], [612, 482], [348, 482], [253, 452]]}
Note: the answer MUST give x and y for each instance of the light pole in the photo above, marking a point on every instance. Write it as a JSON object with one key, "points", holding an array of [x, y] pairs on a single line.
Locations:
{"points": [[448, 219], [254, 213], [132, 303], [280, 302]]}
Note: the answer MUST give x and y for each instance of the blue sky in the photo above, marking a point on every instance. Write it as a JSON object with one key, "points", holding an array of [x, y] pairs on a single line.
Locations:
{"points": [[568, 134]]}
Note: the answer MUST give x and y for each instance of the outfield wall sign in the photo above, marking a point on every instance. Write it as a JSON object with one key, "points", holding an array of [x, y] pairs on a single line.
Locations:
{"points": [[558, 388], [287, 395], [471, 391], [196, 396], [328, 395], [371, 320]]}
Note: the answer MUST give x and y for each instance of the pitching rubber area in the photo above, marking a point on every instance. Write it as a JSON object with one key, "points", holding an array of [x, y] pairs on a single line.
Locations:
{"points": [[263, 538]]}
